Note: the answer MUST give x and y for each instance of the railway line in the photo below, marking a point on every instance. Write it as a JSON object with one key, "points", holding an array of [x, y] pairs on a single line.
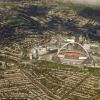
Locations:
{"points": [[30, 80]]}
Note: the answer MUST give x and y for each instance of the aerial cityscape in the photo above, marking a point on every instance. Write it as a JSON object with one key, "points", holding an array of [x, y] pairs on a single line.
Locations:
{"points": [[49, 50]]}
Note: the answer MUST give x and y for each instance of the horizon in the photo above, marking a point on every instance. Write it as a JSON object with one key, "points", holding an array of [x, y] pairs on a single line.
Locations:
{"points": [[92, 2]]}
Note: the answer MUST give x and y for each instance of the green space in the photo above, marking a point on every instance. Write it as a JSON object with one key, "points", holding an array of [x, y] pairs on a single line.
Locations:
{"points": [[56, 66], [94, 71]]}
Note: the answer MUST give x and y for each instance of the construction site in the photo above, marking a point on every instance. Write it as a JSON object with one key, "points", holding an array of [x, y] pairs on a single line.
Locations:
{"points": [[49, 50]]}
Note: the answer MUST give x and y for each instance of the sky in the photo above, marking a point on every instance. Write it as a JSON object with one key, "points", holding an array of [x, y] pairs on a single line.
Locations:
{"points": [[93, 2]]}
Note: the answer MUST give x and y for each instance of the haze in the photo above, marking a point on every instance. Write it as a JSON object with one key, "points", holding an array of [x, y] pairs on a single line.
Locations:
{"points": [[93, 2]]}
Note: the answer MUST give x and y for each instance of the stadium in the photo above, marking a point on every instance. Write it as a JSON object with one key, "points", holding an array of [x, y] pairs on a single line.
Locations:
{"points": [[73, 52]]}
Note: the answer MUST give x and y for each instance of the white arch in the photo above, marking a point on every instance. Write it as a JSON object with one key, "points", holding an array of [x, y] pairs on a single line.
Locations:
{"points": [[73, 43]]}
